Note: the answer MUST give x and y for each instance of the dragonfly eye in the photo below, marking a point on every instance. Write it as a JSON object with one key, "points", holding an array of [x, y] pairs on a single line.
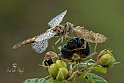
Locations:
{"points": [[69, 27], [66, 25]]}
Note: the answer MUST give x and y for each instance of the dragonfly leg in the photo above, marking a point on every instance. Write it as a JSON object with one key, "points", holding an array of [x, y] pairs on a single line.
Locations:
{"points": [[62, 39], [66, 35], [55, 44], [54, 48], [57, 41], [95, 47], [85, 44]]}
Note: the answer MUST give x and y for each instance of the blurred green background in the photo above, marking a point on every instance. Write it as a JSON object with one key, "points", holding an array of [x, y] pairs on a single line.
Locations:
{"points": [[22, 19]]}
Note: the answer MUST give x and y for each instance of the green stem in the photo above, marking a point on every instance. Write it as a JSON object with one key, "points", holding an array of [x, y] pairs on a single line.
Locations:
{"points": [[75, 66], [47, 77], [72, 76], [89, 70]]}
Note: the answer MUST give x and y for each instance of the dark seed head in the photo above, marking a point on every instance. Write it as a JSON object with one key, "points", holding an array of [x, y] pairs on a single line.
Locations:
{"points": [[48, 62], [75, 45], [66, 53], [85, 52]]}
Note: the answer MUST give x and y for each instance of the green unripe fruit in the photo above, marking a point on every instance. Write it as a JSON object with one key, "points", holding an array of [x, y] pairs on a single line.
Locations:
{"points": [[60, 64], [64, 71], [53, 70], [106, 60], [103, 52], [112, 61], [62, 74]]}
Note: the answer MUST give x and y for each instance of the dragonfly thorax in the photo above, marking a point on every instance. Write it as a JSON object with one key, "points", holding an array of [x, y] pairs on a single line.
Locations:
{"points": [[59, 29], [63, 29]]}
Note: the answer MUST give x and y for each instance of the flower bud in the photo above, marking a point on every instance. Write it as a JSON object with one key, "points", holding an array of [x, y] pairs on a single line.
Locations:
{"points": [[62, 74], [53, 70], [61, 64], [105, 58]]}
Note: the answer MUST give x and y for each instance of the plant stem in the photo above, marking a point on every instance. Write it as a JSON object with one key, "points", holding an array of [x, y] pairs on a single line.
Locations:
{"points": [[47, 77]]}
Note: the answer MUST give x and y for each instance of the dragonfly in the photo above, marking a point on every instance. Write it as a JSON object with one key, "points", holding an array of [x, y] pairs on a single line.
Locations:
{"points": [[90, 36], [40, 43]]}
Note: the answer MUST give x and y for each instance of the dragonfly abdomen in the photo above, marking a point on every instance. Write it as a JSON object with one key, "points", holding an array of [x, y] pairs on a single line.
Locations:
{"points": [[25, 42]]}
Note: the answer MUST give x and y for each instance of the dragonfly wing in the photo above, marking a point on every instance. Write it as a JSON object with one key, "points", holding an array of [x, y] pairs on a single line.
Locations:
{"points": [[40, 46], [56, 20], [45, 36]]}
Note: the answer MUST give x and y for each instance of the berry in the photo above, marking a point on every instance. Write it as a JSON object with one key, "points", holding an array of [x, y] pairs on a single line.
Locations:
{"points": [[64, 71], [62, 74], [105, 59], [61, 64], [53, 70]]}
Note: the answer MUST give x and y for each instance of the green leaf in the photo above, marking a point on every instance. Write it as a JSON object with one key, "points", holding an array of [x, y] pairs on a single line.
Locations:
{"points": [[82, 76], [41, 80], [100, 69], [89, 62], [93, 78], [35, 80]]}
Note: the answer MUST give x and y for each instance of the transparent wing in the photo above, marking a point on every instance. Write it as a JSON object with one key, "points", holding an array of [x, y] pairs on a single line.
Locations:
{"points": [[45, 36], [40, 46], [56, 20]]}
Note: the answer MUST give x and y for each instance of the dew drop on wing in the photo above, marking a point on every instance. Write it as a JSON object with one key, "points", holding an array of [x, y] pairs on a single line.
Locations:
{"points": [[46, 35], [40, 46], [57, 20], [41, 43]]}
